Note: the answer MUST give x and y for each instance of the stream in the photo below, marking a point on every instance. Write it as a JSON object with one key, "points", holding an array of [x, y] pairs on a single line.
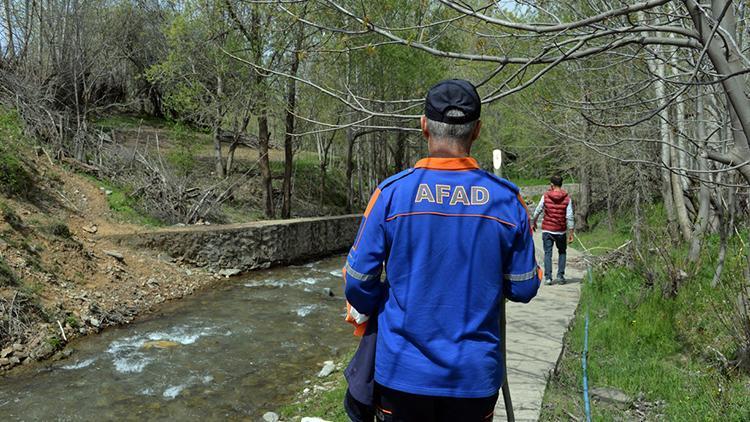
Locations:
{"points": [[232, 352]]}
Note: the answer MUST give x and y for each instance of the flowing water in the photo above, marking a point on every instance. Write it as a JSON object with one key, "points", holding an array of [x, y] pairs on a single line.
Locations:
{"points": [[228, 353]]}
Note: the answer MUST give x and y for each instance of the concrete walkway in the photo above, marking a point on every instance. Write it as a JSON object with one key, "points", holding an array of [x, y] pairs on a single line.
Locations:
{"points": [[535, 334]]}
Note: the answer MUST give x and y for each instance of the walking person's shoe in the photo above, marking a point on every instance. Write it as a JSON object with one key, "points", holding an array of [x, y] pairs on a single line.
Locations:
{"points": [[560, 280], [548, 282]]}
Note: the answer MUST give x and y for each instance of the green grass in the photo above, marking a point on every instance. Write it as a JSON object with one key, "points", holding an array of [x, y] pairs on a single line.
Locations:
{"points": [[306, 174], [10, 126], [530, 181], [662, 348], [129, 121], [599, 240], [324, 404], [327, 405], [125, 207], [10, 217], [7, 276], [15, 180]]}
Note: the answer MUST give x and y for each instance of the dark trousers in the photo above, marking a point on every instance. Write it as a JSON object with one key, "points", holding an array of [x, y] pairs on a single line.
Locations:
{"points": [[548, 239], [397, 406], [358, 411]]}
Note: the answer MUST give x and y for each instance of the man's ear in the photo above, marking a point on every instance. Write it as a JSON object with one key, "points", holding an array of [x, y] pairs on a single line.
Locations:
{"points": [[478, 127], [423, 123]]}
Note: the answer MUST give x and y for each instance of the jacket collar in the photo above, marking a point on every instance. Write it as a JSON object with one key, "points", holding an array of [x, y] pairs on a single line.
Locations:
{"points": [[450, 163]]}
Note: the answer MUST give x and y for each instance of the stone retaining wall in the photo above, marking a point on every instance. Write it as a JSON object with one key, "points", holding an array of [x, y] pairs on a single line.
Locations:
{"points": [[251, 245]]}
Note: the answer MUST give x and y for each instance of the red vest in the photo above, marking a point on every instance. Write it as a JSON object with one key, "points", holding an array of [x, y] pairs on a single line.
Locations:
{"points": [[555, 208]]}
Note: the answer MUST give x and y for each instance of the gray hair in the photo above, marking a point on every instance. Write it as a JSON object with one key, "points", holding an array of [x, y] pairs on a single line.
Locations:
{"points": [[446, 131]]}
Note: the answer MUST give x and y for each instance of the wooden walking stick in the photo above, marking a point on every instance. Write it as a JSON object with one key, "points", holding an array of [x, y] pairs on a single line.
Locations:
{"points": [[506, 389], [497, 163]]}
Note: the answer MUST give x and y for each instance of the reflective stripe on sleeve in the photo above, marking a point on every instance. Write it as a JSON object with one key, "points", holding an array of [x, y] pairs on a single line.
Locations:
{"points": [[358, 275], [521, 277]]}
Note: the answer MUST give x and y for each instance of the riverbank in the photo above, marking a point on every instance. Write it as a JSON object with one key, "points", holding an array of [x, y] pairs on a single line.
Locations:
{"points": [[62, 273], [235, 351], [62, 278]]}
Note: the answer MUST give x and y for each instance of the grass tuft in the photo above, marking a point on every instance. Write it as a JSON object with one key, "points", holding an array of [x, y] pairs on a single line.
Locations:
{"points": [[7, 276]]}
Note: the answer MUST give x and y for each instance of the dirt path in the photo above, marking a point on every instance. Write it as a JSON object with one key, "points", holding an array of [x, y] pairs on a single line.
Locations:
{"points": [[535, 334]]}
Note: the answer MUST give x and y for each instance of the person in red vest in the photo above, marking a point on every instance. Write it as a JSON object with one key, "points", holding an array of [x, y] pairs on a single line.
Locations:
{"points": [[557, 208]]}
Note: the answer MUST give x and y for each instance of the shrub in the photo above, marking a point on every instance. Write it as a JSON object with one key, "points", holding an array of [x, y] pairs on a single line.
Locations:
{"points": [[11, 217], [14, 179], [59, 229], [182, 156], [7, 276]]}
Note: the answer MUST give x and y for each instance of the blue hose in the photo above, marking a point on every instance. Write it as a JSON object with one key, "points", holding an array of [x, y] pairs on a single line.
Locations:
{"points": [[586, 403]]}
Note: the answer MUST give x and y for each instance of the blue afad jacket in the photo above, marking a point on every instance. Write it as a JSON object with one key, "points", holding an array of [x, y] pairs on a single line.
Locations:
{"points": [[454, 241]]}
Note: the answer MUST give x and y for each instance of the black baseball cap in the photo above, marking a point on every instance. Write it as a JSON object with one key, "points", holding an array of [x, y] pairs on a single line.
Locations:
{"points": [[453, 94]]}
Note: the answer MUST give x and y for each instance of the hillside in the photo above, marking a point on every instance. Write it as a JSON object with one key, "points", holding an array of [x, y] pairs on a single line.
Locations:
{"points": [[59, 277]]}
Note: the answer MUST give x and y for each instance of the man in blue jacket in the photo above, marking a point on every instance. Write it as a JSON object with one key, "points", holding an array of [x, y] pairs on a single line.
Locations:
{"points": [[454, 241]]}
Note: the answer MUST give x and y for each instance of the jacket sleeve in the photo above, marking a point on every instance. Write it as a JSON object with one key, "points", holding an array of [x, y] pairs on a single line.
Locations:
{"points": [[521, 278], [539, 209], [364, 263]]}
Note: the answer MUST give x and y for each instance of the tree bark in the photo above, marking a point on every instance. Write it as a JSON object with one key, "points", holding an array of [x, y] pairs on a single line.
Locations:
{"points": [[679, 200], [666, 158], [9, 31], [291, 104], [230, 155], [219, 161], [583, 206], [726, 61], [350, 170], [264, 163], [704, 197], [610, 205], [398, 155]]}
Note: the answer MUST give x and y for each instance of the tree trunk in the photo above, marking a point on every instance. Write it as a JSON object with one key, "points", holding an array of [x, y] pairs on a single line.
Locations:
{"points": [[371, 168], [349, 170], [679, 144], [323, 170], [291, 104], [219, 162], [217, 132], [9, 31], [638, 219], [583, 206], [154, 95], [666, 158], [230, 156], [727, 61], [679, 200], [704, 197], [360, 173], [398, 155], [264, 163], [610, 207]]}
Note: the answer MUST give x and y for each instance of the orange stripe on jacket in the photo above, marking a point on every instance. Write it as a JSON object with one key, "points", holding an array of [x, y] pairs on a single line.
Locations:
{"points": [[442, 214], [371, 204], [447, 163]]}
